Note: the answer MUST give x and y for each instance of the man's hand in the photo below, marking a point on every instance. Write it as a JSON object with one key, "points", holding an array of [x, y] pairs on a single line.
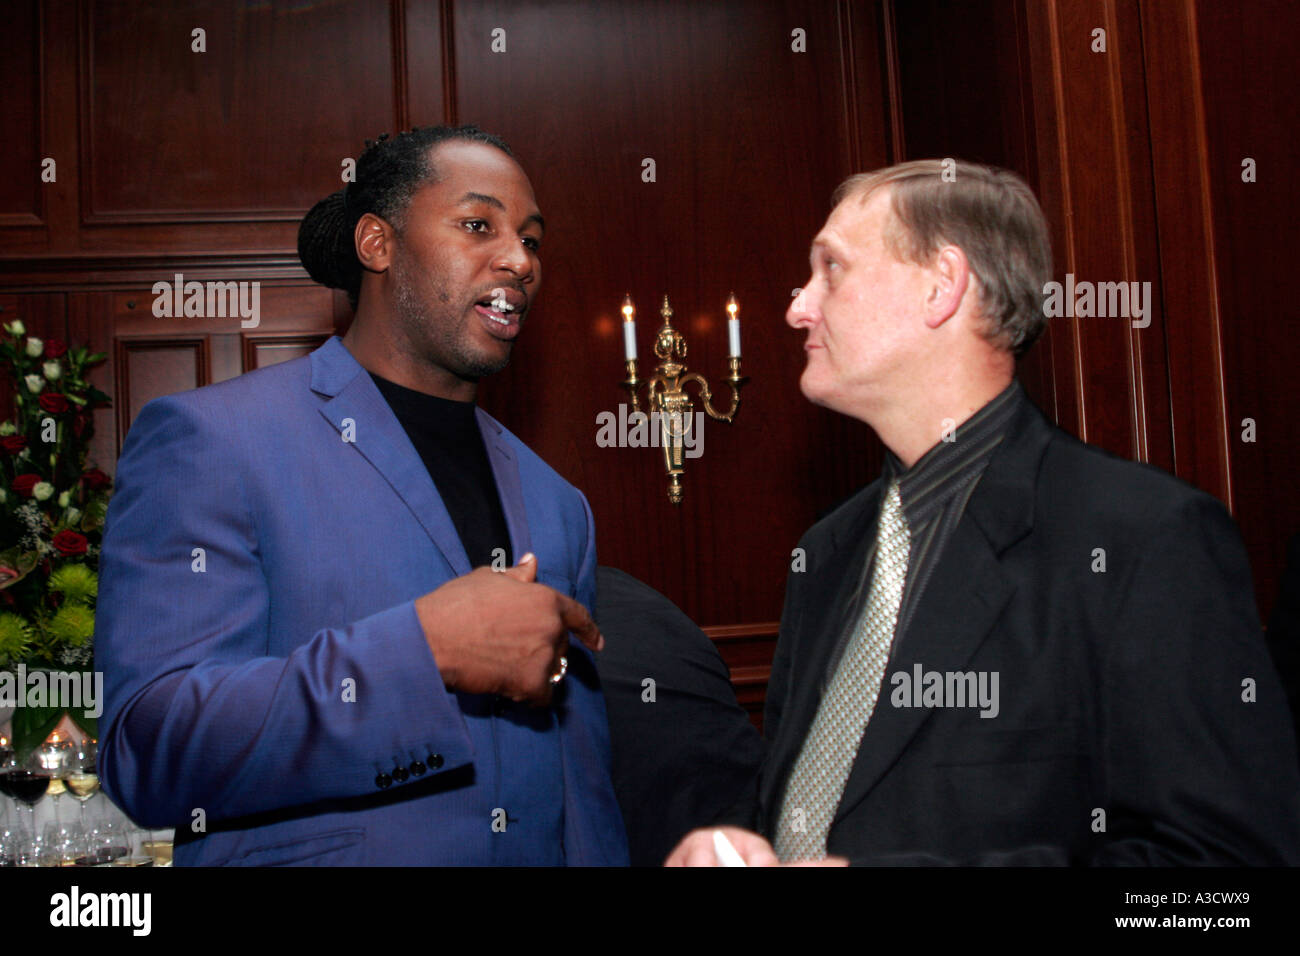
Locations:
{"points": [[696, 849], [499, 632]]}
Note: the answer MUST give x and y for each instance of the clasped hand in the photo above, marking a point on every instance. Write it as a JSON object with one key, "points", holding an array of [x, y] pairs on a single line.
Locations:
{"points": [[501, 632]]}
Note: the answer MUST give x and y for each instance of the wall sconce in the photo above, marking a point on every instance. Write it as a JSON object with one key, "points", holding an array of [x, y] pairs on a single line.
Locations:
{"points": [[666, 389]]}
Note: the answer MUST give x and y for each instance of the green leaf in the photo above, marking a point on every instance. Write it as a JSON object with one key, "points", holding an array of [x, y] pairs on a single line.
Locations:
{"points": [[19, 561], [31, 725], [96, 511], [89, 724]]}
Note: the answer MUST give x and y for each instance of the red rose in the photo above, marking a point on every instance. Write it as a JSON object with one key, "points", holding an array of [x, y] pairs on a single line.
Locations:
{"points": [[70, 544], [24, 484], [79, 422], [55, 348], [13, 443], [94, 479], [54, 404]]}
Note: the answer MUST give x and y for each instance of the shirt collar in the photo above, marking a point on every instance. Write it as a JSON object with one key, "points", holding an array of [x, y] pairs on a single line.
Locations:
{"points": [[949, 464]]}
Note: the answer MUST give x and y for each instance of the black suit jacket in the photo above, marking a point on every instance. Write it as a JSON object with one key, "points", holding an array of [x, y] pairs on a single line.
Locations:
{"points": [[1121, 736], [684, 752]]}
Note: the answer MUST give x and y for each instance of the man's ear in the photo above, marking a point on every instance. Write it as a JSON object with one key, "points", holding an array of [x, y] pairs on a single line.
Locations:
{"points": [[374, 239], [947, 279]]}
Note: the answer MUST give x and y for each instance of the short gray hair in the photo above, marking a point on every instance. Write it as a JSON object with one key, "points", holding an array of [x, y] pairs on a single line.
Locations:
{"points": [[991, 215]]}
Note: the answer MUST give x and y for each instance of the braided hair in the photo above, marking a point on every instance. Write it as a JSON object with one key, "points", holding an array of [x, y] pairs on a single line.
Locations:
{"points": [[388, 173]]}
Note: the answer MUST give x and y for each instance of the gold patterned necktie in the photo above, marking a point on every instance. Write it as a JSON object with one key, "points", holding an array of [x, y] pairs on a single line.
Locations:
{"points": [[816, 784]]}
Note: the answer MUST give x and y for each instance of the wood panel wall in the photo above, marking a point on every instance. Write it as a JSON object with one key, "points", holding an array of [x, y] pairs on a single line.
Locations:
{"points": [[169, 161], [1136, 154]]}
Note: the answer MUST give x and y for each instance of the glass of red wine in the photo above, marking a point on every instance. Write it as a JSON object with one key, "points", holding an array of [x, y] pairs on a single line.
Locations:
{"points": [[28, 783], [9, 832]]}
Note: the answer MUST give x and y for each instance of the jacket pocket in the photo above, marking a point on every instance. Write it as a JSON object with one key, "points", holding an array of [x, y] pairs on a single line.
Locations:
{"points": [[327, 849]]}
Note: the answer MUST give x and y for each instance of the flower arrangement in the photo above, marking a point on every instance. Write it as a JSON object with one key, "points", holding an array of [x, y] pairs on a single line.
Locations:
{"points": [[52, 510]]}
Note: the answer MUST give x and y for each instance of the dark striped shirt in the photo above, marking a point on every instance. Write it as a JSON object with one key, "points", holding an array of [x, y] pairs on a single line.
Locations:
{"points": [[934, 492]]}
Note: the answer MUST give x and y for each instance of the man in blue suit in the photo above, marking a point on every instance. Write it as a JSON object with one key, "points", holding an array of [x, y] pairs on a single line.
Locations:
{"points": [[300, 665]]}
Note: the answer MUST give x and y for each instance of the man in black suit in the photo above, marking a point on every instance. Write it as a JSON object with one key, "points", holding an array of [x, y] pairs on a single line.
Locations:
{"points": [[1012, 647]]}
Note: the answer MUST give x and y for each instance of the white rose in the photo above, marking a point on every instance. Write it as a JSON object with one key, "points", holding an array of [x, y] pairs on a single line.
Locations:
{"points": [[42, 490], [8, 428], [72, 515], [16, 327], [4, 496], [64, 499], [34, 383], [52, 371], [35, 347]]}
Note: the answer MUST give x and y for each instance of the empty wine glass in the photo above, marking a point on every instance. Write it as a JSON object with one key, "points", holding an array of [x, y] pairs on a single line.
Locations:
{"points": [[8, 850], [109, 841], [64, 844]]}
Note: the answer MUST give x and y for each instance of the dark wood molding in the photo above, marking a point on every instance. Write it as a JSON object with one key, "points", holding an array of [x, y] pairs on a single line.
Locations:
{"points": [[447, 42], [893, 90], [735, 632], [401, 77], [32, 274]]}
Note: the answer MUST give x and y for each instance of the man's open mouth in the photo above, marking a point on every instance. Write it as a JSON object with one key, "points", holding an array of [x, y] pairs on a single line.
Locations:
{"points": [[501, 311]]}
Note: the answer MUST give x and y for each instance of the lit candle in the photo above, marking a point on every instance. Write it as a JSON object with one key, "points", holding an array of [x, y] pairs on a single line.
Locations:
{"points": [[629, 328], [733, 326]]}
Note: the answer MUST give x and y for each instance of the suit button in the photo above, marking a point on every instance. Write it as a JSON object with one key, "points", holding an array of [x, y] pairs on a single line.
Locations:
{"points": [[418, 768], [400, 774], [383, 781], [434, 761]]}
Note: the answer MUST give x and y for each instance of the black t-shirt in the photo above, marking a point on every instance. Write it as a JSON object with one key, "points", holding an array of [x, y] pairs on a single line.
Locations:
{"points": [[447, 437]]}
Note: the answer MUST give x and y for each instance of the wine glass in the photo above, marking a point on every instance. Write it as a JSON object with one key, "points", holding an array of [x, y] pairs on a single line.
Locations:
{"points": [[160, 850], [109, 841], [63, 844], [80, 775], [53, 756], [28, 783], [9, 832], [8, 847], [7, 765]]}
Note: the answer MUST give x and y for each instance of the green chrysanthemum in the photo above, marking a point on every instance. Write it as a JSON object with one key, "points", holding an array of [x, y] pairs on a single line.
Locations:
{"points": [[73, 625], [15, 635], [76, 582]]}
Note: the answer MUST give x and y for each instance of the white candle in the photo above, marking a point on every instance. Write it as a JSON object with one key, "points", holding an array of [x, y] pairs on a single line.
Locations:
{"points": [[629, 329], [733, 326]]}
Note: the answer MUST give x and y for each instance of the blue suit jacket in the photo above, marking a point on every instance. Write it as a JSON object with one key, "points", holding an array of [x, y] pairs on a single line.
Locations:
{"points": [[263, 660]]}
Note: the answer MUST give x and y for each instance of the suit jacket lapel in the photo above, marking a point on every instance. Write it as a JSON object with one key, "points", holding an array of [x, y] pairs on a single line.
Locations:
{"points": [[505, 467], [963, 599], [825, 613], [381, 440]]}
